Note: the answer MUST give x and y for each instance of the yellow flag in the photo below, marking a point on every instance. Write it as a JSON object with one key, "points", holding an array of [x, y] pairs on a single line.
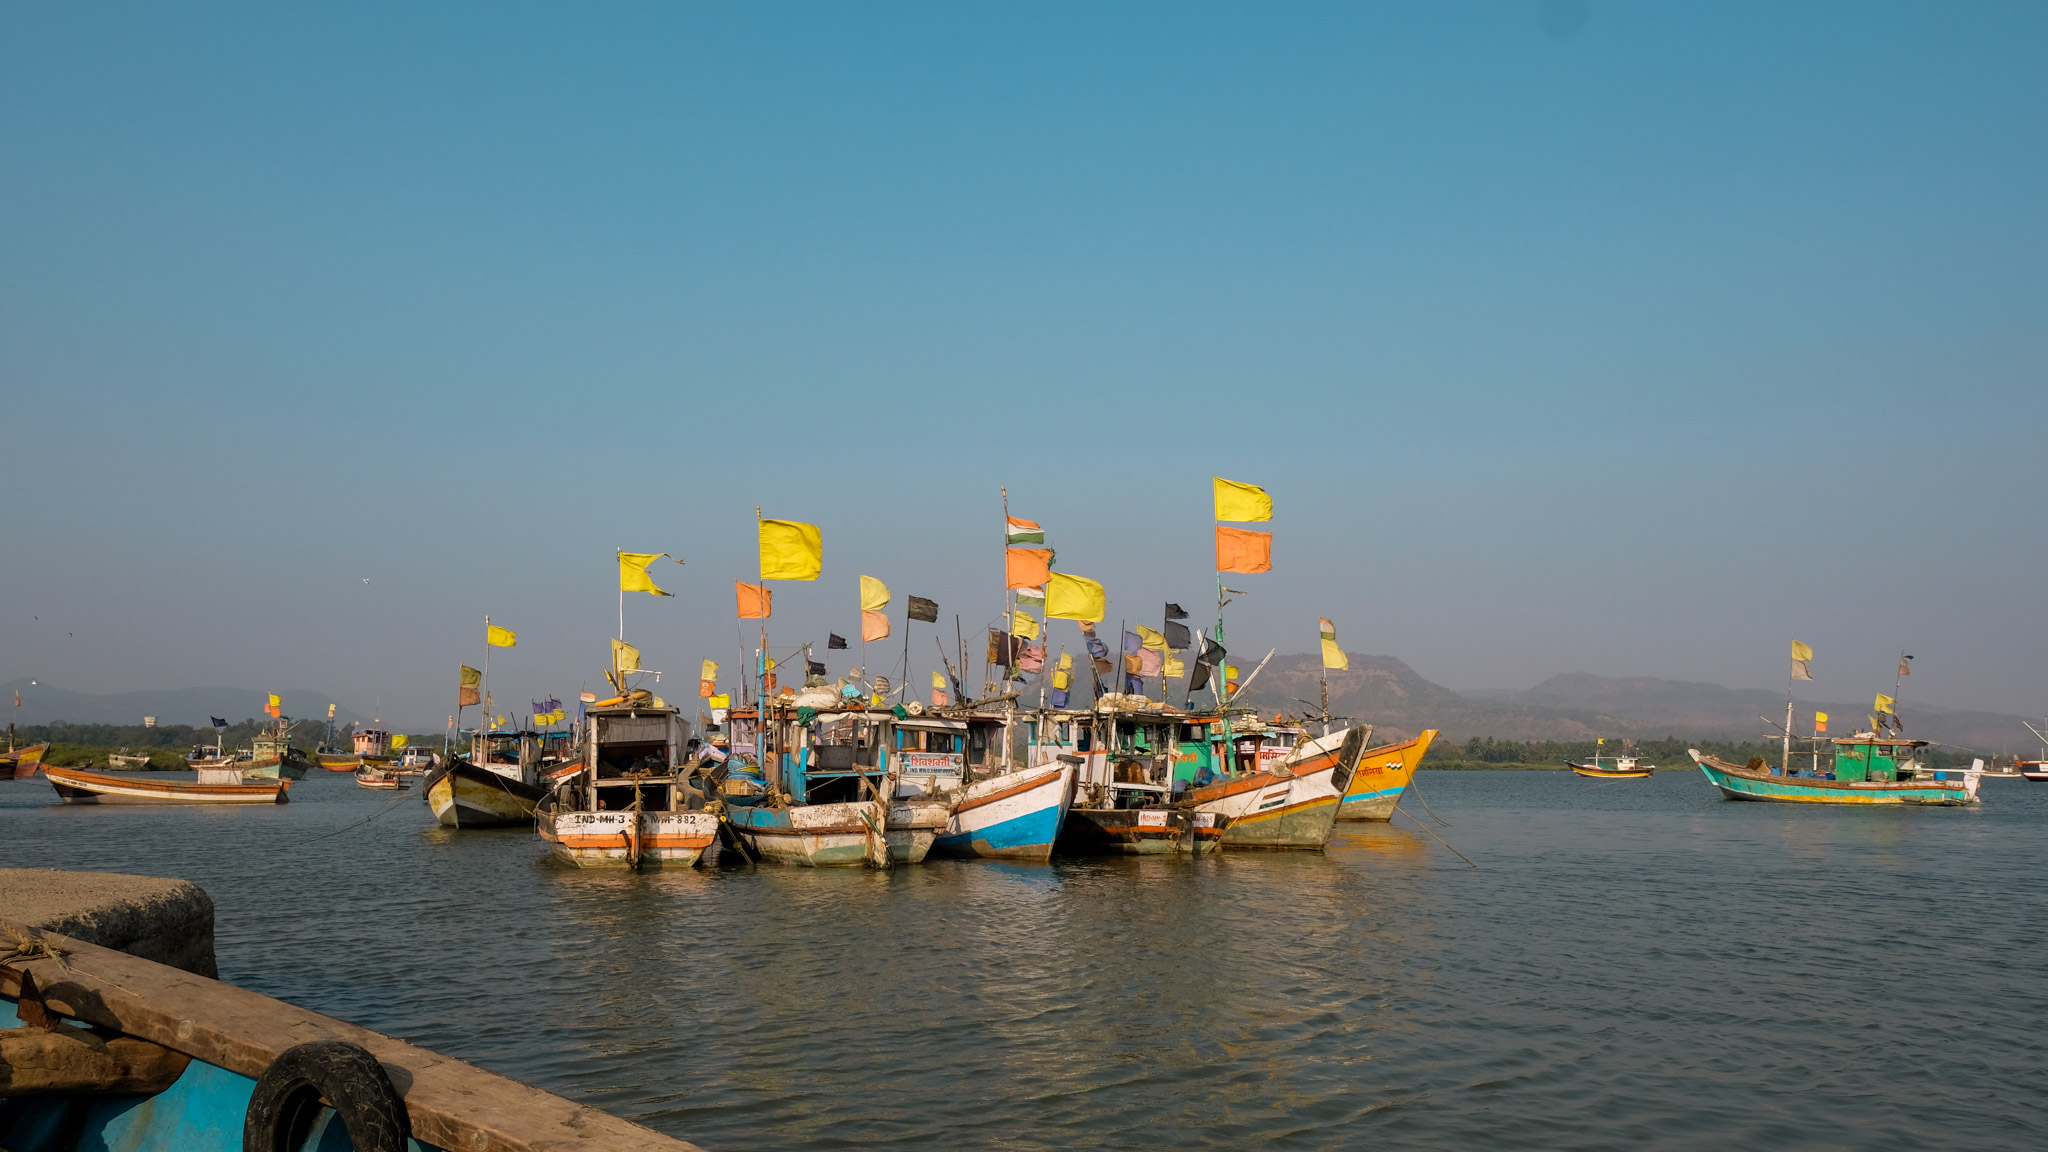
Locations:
{"points": [[275, 702], [722, 700], [633, 575], [398, 741], [1802, 655], [330, 711], [1074, 598], [502, 637], [1150, 639], [471, 678], [1061, 678], [625, 658], [874, 595], [1801, 651], [791, 550], [938, 680], [1885, 703], [1820, 723], [1066, 660], [1021, 624], [1173, 666], [1334, 657], [710, 670], [1235, 501]]}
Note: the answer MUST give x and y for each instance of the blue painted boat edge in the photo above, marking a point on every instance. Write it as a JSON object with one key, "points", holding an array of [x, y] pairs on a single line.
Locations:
{"points": [[1020, 836]]}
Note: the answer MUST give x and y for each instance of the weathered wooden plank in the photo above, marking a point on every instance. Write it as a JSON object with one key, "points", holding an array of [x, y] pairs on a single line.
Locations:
{"points": [[455, 1105]]}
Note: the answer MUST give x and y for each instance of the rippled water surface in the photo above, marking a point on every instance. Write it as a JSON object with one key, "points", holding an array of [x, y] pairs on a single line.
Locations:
{"points": [[1631, 963]]}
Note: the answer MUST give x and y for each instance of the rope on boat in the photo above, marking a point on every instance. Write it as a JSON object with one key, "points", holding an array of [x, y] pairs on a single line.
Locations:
{"points": [[1434, 836], [27, 947], [1412, 782], [394, 802]]}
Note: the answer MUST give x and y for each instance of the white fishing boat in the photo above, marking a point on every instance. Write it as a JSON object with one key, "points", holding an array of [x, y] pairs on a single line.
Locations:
{"points": [[834, 794], [1292, 801], [627, 805]]}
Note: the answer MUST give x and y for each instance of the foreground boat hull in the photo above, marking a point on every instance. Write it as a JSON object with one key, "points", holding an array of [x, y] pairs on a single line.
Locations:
{"points": [[465, 796], [1015, 816], [1290, 806], [1141, 832], [628, 839], [95, 788], [1740, 784], [838, 835], [1382, 778], [26, 762]]}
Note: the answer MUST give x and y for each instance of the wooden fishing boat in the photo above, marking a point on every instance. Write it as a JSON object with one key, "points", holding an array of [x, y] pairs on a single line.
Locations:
{"points": [[1131, 766], [2034, 770], [1293, 803], [22, 763], [1010, 816], [123, 762], [833, 797], [1382, 776], [627, 805], [271, 755], [496, 786], [214, 786], [1866, 769], [1612, 767], [337, 761], [374, 776]]}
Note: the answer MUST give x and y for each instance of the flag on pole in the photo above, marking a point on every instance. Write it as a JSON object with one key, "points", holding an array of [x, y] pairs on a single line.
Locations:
{"points": [[625, 658], [398, 741], [923, 609], [219, 722], [1820, 723], [500, 637], [1147, 638], [1026, 567], [1885, 704], [1031, 597], [1905, 666], [939, 697], [1241, 550], [633, 575], [1235, 501], [274, 709], [1020, 531], [707, 679], [1074, 598], [873, 626], [1802, 656], [1023, 626], [1333, 656], [755, 601], [874, 595], [791, 550], [472, 681]]}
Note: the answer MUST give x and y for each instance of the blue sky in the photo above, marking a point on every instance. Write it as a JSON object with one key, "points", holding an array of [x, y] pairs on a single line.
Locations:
{"points": [[1631, 339]]}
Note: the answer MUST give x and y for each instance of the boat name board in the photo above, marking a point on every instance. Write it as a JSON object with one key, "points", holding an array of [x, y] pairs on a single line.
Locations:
{"points": [[931, 761]]}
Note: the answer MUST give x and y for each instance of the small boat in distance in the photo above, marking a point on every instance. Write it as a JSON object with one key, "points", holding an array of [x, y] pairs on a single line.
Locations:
{"points": [[123, 762], [1627, 766], [213, 786], [2035, 771], [22, 763], [379, 776]]}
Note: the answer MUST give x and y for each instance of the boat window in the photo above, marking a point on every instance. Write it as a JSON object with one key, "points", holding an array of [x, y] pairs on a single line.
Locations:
{"points": [[1084, 739], [1193, 732], [1064, 736], [977, 743], [941, 742]]}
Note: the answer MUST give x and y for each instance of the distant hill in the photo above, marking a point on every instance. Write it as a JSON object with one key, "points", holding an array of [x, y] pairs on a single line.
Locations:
{"points": [[46, 704], [1578, 706]]}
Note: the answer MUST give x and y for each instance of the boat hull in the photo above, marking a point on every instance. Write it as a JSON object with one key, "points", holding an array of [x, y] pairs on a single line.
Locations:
{"points": [[77, 787], [838, 835], [1290, 806], [1597, 773], [465, 796], [628, 839], [337, 762], [273, 768], [26, 762], [371, 778], [1739, 784], [1141, 832], [1015, 816], [1382, 777]]}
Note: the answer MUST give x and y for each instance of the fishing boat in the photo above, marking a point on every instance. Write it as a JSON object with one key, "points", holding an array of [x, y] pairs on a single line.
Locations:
{"points": [[271, 755], [1382, 777], [336, 761], [1865, 769], [627, 805], [122, 761], [1627, 766], [377, 776], [1133, 761], [213, 786], [20, 764], [2035, 771], [1292, 804], [832, 787], [496, 786]]}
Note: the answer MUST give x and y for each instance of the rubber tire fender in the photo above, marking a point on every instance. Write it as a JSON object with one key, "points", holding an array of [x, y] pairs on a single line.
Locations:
{"points": [[345, 1076]]}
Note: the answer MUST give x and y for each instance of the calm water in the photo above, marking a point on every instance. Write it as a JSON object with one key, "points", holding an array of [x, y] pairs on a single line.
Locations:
{"points": [[1631, 964]]}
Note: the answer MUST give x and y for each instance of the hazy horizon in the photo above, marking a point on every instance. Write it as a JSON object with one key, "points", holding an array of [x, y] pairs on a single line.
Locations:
{"points": [[1630, 340]]}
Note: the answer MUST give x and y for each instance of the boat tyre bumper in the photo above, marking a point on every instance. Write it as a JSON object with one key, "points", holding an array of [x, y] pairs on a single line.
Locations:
{"points": [[290, 1093]]}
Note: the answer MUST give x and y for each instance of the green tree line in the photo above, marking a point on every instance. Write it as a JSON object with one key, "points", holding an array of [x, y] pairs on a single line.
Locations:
{"points": [[1670, 752]]}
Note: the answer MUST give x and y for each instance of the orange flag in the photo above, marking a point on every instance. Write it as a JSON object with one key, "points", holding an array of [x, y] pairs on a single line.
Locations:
{"points": [[873, 626], [755, 601], [1240, 551], [1027, 567]]}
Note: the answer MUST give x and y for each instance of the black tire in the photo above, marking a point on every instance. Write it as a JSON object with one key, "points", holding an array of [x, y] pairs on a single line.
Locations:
{"points": [[290, 1092]]}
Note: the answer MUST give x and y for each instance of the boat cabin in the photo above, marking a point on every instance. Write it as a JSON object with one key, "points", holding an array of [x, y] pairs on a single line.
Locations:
{"points": [[1129, 758], [1863, 758], [630, 754], [372, 742]]}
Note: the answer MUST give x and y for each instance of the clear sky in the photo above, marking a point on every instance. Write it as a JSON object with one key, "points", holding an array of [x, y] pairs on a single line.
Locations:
{"points": [[1635, 339]]}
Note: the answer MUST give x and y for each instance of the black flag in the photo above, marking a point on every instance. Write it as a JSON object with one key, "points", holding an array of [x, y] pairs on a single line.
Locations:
{"points": [[1212, 656], [1176, 612], [813, 668], [923, 609], [219, 723], [1177, 634], [834, 640]]}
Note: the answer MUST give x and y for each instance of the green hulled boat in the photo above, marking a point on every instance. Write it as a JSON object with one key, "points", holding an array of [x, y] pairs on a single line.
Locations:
{"points": [[1864, 769]]}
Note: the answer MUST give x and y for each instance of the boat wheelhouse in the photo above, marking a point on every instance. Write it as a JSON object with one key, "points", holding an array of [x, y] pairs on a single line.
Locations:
{"points": [[628, 803], [1132, 767]]}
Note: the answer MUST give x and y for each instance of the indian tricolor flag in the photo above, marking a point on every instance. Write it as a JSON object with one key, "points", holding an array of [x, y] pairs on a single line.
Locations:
{"points": [[1017, 531]]}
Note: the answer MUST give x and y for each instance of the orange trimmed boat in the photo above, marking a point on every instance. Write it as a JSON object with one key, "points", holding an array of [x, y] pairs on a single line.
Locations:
{"points": [[214, 786]]}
